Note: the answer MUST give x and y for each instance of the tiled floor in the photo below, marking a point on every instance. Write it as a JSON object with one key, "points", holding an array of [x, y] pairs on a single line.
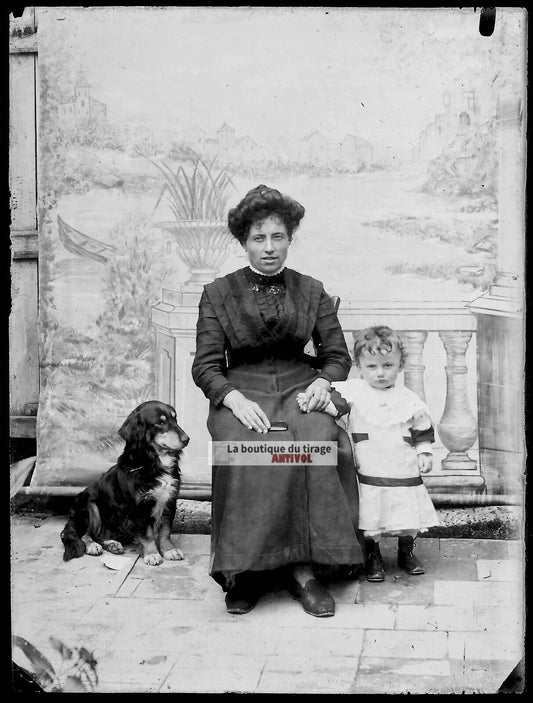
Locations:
{"points": [[458, 628]]}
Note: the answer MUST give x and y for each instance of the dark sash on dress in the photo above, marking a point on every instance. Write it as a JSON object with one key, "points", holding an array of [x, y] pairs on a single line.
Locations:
{"points": [[389, 482]]}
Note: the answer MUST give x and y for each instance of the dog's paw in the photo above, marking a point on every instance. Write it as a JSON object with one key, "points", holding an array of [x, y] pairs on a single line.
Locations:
{"points": [[153, 559], [173, 554], [94, 549], [111, 545]]}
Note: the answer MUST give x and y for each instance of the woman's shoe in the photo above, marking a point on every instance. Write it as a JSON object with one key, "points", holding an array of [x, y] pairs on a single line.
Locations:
{"points": [[406, 557], [243, 596], [314, 598], [374, 570]]}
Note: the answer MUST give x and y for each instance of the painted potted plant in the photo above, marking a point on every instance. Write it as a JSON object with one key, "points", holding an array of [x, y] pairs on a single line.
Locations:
{"points": [[197, 194]]}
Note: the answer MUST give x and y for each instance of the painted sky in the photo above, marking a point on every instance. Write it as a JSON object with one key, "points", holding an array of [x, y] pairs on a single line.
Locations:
{"points": [[281, 73]]}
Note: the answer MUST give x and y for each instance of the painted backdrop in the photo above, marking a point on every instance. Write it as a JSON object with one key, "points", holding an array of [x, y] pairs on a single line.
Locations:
{"points": [[381, 122]]}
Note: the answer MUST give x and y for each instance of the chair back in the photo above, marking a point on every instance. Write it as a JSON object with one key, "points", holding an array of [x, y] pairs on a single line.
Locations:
{"points": [[310, 349]]}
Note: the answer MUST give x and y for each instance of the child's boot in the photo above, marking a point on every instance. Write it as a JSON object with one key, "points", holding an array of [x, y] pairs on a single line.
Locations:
{"points": [[374, 570], [406, 556]]}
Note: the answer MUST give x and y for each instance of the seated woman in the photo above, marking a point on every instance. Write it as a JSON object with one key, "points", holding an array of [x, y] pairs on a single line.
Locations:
{"points": [[274, 520]]}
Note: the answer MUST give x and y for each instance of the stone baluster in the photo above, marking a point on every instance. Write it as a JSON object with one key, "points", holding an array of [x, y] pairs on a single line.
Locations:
{"points": [[413, 342], [457, 428]]}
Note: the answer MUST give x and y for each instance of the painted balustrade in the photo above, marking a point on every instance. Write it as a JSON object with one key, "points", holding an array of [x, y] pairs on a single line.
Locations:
{"points": [[446, 328], [452, 324]]}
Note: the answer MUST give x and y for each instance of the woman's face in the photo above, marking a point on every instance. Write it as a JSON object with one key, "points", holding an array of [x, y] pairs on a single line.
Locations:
{"points": [[267, 244]]}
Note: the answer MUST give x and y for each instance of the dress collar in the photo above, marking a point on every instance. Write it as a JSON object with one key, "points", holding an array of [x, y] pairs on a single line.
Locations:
{"points": [[266, 275], [264, 280], [387, 406]]}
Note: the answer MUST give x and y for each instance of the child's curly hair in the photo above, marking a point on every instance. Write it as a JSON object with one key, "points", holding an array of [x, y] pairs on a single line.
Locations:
{"points": [[380, 339]]}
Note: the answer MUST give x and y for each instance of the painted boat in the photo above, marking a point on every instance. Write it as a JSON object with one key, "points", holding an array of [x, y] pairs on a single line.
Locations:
{"points": [[83, 245]]}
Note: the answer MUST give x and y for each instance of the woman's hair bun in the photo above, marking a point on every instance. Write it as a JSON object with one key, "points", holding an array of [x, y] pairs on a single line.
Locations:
{"points": [[259, 203]]}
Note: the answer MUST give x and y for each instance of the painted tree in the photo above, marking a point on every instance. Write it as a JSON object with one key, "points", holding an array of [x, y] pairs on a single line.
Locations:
{"points": [[124, 346]]}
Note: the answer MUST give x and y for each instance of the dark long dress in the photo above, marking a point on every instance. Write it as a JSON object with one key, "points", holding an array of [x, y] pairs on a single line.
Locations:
{"points": [[251, 335]]}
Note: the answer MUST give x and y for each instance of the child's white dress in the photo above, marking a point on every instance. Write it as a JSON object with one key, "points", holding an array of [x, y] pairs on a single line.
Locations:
{"points": [[388, 428]]}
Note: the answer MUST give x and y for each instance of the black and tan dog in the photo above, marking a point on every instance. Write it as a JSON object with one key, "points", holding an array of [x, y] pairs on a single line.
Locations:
{"points": [[135, 500]]}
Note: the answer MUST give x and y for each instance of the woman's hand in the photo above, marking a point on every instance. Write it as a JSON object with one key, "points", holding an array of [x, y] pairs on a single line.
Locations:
{"points": [[248, 412], [318, 395]]}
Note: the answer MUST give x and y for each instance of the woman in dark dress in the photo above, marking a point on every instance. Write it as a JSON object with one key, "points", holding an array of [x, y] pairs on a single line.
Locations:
{"points": [[274, 520]]}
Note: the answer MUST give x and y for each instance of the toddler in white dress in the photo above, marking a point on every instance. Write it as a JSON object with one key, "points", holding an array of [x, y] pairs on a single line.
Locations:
{"points": [[391, 432]]}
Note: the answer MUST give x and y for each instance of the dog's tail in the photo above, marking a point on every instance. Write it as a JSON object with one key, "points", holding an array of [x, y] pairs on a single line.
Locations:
{"points": [[84, 520]]}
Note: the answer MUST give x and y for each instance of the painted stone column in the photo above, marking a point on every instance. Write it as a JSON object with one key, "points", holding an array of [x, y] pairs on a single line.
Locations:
{"points": [[174, 319], [413, 342], [500, 322], [457, 428]]}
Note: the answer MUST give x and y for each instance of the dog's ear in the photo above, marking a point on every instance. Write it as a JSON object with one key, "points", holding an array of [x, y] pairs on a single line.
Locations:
{"points": [[133, 430]]}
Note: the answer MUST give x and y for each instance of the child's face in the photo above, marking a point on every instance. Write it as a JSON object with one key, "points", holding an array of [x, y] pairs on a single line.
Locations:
{"points": [[380, 370]]}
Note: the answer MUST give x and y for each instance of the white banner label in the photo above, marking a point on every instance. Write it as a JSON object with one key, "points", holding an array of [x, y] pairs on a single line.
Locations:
{"points": [[267, 453]]}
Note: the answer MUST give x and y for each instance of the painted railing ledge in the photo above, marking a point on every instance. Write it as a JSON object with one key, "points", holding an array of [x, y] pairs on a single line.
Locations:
{"points": [[424, 315], [505, 297], [175, 307]]}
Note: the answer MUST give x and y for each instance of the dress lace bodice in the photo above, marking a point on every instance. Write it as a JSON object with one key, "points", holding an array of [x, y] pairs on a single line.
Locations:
{"points": [[269, 292]]}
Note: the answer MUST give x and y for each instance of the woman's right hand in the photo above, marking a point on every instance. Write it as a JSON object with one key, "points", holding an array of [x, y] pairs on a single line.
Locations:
{"points": [[248, 412]]}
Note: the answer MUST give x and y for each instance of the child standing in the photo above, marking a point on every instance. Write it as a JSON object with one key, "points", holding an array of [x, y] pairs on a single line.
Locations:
{"points": [[392, 434]]}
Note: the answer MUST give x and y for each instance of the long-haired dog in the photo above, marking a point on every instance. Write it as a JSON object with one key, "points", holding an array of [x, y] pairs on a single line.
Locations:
{"points": [[135, 500]]}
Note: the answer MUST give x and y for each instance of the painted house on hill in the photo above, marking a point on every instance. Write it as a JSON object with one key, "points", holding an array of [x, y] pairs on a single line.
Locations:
{"points": [[195, 138], [82, 105], [355, 152], [313, 148], [227, 144], [222, 143], [225, 138], [464, 112], [249, 150]]}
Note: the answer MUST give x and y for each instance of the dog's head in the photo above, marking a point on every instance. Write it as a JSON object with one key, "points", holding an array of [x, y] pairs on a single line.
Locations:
{"points": [[153, 424]]}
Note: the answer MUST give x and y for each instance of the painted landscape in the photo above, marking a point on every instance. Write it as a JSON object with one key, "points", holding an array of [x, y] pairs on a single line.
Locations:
{"points": [[399, 179]]}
